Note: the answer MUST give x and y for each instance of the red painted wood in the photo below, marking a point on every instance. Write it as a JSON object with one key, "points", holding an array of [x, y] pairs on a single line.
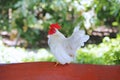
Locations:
{"points": [[48, 71]]}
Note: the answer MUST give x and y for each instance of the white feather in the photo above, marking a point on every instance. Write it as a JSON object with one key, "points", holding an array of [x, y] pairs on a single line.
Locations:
{"points": [[64, 49]]}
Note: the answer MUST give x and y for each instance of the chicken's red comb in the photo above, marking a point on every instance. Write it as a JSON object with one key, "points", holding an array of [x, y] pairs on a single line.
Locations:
{"points": [[56, 25]]}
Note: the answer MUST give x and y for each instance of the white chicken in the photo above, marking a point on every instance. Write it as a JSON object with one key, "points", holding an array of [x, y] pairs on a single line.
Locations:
{"points": [[64, 49]]}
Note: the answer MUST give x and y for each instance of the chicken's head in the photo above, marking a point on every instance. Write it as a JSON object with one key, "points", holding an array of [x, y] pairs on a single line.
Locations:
{"points": [[53, 28]]}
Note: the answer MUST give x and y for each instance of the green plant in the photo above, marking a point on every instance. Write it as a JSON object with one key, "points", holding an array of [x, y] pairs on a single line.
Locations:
{"points": [[31, 19], [108, 11], [107, 52]]}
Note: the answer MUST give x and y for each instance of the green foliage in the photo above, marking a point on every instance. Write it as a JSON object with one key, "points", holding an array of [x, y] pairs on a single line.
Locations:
{"points": [[108, 11], [108, 52], [4, 8], [29, 16]]}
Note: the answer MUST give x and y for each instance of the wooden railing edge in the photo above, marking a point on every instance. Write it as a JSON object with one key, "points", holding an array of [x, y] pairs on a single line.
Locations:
{"points": [[48, 71]]}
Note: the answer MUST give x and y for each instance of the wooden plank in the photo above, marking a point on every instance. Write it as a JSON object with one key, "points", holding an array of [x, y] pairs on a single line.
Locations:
{"points": [[48, 71]]}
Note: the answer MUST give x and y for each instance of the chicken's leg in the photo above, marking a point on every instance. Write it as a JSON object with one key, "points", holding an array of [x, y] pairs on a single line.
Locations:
{"points": [[56, 63]]}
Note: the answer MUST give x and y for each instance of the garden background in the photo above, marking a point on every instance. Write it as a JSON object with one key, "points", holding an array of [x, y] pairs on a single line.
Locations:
{"points": [[24, 26]]}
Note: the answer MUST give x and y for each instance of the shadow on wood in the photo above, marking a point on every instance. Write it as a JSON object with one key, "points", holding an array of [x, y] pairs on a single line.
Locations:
{"points": [[48, 71]]}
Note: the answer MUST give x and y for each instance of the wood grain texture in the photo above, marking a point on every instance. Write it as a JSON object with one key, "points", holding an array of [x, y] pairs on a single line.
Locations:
{"points": [[48, 71]]}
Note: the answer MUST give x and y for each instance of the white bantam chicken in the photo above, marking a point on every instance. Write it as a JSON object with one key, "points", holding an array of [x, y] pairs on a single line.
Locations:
{"points": [[64, 49]]}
